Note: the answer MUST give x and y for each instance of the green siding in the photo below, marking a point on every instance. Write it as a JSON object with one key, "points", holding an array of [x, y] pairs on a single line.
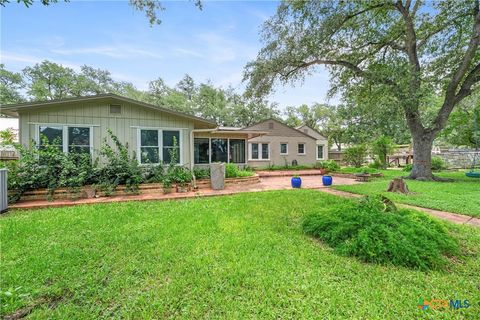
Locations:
{"points": [[97, 114]]}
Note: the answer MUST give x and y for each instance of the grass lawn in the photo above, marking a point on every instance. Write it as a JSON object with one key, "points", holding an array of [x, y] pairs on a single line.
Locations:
{"points": [[240, 257], [460, 196]]}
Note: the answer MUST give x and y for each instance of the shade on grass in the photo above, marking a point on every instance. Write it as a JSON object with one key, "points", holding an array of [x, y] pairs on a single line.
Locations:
{"points": [[242, 256], [462, 195]]}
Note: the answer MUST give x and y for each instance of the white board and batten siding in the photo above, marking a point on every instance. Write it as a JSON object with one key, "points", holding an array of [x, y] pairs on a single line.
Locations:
{"points": [[96, 115], [3, 190]]}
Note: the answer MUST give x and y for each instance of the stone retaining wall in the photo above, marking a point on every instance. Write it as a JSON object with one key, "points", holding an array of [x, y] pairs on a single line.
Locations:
{"points": [[458, 158]]}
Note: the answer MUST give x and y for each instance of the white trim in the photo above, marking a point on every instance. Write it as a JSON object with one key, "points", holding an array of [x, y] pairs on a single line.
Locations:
{"points": [[304, 148], [65, 134], [63, 124], [157, 128], [260, 153], [323, 151], [160, 144], [283, 154]]}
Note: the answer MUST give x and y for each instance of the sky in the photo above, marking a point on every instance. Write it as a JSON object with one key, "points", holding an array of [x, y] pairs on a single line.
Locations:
{"points": [[213, 44]]}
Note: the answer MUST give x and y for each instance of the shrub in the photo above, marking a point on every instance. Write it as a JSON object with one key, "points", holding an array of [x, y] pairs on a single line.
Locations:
{"points": [[330, 165], [372, 234], [376, 164], [154, 174], [120, 167], [355, 155], [201, 173], [232, 171], [179, 175], [438, 164], [408, 167], [381, 148]]}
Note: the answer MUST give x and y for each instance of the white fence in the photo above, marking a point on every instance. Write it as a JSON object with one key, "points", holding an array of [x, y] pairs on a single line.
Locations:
{"points": [[3, 191]]}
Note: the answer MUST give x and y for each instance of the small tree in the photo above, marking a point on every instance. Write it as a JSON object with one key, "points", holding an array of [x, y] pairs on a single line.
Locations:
{"points": [[355, 155], [381, 148]]}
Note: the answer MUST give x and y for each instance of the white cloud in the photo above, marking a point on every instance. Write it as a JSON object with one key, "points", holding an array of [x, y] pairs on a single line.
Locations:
{"points": [[110, 51]]}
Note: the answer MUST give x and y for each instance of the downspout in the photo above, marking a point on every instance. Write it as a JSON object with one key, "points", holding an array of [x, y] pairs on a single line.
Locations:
{"points": [[192, 160]]}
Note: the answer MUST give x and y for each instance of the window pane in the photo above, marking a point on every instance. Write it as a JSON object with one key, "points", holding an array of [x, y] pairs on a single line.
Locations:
{"points": [[301, 148], [168, 138], [149, 138], [167, 157], [78, 136], [54, 135], [200, 150], [283, 148], [219, 150], [78, 149], [265, 154], [149, 155], [254, 150], [319, 152], [237, 150]]}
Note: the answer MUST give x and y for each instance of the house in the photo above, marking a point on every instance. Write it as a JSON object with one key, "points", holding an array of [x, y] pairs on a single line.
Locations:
{"points": [[322, 142], [282, 145], [80, 125]]}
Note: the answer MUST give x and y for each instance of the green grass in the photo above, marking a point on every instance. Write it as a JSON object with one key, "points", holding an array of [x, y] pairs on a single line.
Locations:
{"points": [[235, 257], [460, 196]]}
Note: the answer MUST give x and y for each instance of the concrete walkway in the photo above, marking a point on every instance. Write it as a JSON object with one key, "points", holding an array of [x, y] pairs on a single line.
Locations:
{"points": [[277, 182]]}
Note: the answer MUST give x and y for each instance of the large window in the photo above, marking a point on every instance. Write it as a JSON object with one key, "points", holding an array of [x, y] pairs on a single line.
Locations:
{"points": [[259, 151], [320, 151], [158, 146], [149, 146], [283, 148], [237, 151], [66, 138], [52, 135], [301, 148], [219, 150], [171, 146], [201, 150]]}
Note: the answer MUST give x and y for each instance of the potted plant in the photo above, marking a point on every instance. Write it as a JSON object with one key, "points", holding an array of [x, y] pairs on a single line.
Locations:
{"points": [[167, 185], [296, 181]]}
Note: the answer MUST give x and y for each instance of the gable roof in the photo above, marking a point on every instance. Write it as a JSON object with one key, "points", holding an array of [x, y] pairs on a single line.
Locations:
{"points": [[11, 110], [260, 124], [314, 130]]}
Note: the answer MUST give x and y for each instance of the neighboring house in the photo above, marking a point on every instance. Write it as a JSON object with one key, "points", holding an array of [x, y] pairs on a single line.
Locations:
{"points": [[283, 145], [80, 125], [322, 142]]}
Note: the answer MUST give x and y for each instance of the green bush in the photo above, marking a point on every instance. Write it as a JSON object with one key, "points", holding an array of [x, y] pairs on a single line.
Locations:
{"points": [[120, 167], [377, 164], [355, 155], [232, 171], [381, 148], [330, 165], [372, 234], [201, 173], [438, 164], [408, 167]]}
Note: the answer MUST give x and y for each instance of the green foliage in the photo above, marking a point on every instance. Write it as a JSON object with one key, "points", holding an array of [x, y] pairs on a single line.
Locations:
{"points": [[355, 155], [10, 85], [438, 164], [274, 167], [377, 164], [201, 173], [408, 167], [154, 173], [329, 165], [358, 170], [381, 148], [232, 171], [364, 230], [7, 137], [120, 167], [179, 175]]}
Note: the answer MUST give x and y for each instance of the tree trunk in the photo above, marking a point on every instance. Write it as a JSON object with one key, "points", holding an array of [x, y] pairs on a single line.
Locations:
{"points": [[398, 185], [422, 157]]}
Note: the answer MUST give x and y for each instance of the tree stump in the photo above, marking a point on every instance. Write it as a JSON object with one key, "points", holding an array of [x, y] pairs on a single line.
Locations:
{"points": [[398, 185]]}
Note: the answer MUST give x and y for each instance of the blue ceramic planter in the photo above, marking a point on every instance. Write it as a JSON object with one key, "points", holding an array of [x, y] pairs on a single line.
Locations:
{"points": [[296, 182], [327, 180]]}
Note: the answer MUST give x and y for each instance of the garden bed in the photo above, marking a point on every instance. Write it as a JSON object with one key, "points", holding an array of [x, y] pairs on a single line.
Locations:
{"points": [[146, 188]]}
